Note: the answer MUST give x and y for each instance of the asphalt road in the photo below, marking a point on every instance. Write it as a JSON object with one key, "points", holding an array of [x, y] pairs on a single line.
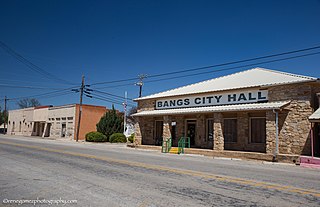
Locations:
{"points": [[114, 175]]}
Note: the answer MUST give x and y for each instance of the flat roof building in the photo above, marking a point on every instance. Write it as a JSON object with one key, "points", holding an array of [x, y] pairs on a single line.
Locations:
{"points": [[256, 110], [55, 122]]}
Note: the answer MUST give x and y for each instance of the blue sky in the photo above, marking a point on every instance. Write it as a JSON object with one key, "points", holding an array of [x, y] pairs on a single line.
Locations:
{"points": [[111, 40]]}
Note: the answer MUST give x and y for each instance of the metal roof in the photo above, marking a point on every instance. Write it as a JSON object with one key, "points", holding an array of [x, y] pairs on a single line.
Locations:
{"points": [[255, 77], [315, 116], [221, 108]]}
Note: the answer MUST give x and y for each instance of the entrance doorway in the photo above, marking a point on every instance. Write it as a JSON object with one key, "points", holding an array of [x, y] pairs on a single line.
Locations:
{"points": [[210, 133], [158, 133], [316, 139], [191, 131], [63, 130]]}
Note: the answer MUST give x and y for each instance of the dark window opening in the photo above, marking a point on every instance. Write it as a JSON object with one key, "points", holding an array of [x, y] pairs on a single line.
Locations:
{"points": [[230, 130], [258, 130]]}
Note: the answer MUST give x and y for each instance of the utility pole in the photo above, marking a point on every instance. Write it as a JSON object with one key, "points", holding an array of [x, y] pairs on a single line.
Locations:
{"points": [[5, 114], [80, 107], [140, 83], [125, 114]]}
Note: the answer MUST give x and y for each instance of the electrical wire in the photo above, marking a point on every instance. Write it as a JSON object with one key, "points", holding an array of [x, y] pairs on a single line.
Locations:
{"points": [[213, 66], [115, 86], [31, 65], [110, 101], [42, 94], [27, 87], [213, 71], [110, 94], [231, 68], [108, 98]]}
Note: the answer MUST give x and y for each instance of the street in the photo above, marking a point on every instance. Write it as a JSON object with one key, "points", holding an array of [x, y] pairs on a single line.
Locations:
{"points": [[114, 175]]}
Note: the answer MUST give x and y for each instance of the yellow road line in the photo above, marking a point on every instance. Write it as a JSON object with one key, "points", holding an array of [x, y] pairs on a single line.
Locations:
{"points": [[252, 183]]}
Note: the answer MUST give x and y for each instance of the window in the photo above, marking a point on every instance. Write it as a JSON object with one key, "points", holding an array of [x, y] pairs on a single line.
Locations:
{"points": [[158, 132], [258, 130], [230, 130], [209, 129]]}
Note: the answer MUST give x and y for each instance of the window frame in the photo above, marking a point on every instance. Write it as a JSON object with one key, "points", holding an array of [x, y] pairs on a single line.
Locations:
{"points": [[207, 129], [250, 127], [233, 118], [155, 128]]}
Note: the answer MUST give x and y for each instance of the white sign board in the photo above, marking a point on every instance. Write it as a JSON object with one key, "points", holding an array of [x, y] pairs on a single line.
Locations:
{"points": [[213, 99]]}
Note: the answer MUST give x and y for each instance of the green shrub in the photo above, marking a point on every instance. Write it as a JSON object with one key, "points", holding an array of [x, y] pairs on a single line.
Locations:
{"points": [[110, 123], [118, 137], [96, 137], [131, 138]]}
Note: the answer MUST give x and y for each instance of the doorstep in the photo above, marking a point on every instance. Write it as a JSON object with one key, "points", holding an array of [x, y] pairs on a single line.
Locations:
{"points": [[284, 158]]}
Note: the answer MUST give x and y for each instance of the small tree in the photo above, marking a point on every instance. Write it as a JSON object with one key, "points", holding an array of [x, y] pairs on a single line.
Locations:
{"points": [[27, 102], [110, 123], [130, 119], [3, 116]]}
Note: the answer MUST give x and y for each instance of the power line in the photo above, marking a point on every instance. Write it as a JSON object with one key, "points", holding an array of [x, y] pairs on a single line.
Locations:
{"points": [[56, 95], [231, 68], [32, 66], [140, 83], [108, 98], [110, 94], [27, 87], [42, 94], [115, 86], [213, 66], [96, 96], [213, 71], [236, 62]]}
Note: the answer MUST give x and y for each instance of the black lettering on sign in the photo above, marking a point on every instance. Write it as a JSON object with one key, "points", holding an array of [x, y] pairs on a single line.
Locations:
{"points": [[159, 104], [251, 98], [242, 97], [197, 100], [260, 96], [218, 98], [210, 99], [165, 104], [172, 102], [180, 102], [186, 101], [232, 97]]}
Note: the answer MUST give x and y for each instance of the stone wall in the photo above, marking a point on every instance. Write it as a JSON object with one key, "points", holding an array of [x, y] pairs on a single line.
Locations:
{"points": [[294, 126], [146, 105], [166, 127], [218, 140]]}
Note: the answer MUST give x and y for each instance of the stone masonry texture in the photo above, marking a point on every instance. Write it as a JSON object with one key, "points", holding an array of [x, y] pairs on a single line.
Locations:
{"points": [[294, 127]]}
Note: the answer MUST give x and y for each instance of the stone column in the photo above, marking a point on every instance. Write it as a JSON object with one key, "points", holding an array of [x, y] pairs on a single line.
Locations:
{"points": [[137, 132], [271, 132], [243, 130], [218, 139], [166, 128], [201, 131]]}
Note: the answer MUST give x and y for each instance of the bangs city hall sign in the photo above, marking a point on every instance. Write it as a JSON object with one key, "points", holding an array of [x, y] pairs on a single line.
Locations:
{"points": [[214, 99]]}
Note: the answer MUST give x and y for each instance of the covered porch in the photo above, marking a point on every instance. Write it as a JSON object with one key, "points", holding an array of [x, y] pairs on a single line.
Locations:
{"points": [[243, 127], [314, 159]]}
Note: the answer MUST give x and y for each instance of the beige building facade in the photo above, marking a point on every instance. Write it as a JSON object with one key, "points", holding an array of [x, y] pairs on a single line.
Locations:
{"points": [[257, 110], [54, 122]]}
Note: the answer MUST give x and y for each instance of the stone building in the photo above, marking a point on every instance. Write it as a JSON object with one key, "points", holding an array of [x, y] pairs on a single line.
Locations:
{"points": [[54, 122], [257, 110]]}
